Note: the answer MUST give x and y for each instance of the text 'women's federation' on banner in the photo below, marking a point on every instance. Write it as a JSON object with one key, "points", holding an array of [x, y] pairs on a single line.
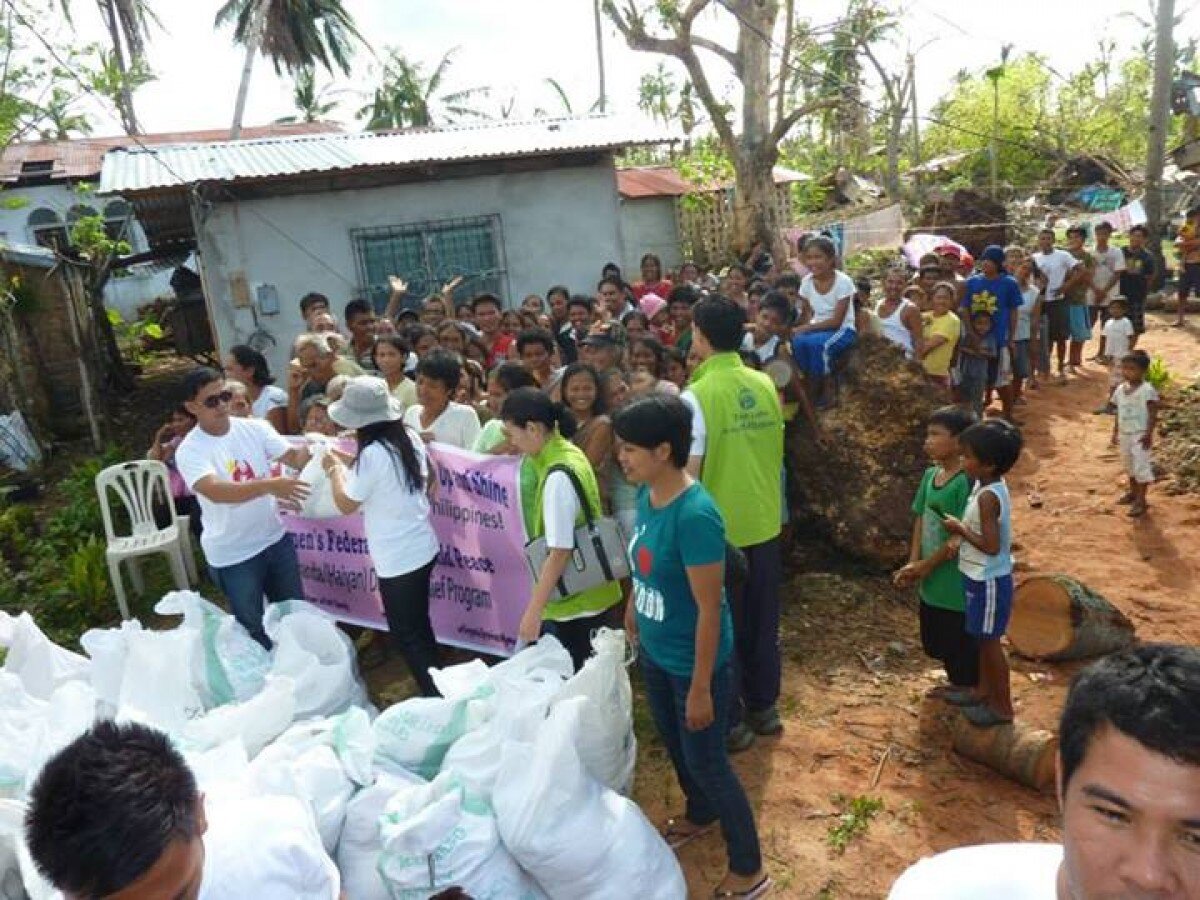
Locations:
{"points": [[481, 582]]}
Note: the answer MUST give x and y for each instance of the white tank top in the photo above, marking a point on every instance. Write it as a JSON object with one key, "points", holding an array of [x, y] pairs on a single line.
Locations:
{"points": [[894, 328]]}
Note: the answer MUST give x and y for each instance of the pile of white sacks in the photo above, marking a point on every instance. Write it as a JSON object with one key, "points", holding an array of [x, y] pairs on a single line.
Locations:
{"points": [[511, 786]]}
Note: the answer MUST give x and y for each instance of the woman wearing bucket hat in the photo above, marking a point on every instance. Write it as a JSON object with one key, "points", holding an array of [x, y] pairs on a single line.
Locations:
{"points": [[388, 482]]}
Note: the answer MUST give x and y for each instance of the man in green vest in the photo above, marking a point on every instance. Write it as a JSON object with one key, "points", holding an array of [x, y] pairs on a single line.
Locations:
{"points": [[737, 454]]}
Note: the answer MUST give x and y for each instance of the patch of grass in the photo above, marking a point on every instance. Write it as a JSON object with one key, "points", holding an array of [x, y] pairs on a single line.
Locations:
{"points": [[855, 818]]}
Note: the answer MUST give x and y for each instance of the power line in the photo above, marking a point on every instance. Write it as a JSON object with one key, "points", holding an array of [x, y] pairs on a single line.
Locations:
{"points": [[192, 189]]}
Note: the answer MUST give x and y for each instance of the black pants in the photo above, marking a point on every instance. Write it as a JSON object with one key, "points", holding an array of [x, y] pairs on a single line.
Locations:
{"points": [[406, 605], [944, 637], [576, 635], [755, 611]]}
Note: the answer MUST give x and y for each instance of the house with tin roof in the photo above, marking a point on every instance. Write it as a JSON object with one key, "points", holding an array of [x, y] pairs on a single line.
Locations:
{"points": [[511, 207]]}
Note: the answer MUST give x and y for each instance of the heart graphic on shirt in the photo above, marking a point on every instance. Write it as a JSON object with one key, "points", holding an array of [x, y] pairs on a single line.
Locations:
{"points": [[645, 560]]}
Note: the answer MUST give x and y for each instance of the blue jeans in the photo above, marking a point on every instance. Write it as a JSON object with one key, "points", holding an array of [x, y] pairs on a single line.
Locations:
{"points": [[275, 572], [701, 761]]}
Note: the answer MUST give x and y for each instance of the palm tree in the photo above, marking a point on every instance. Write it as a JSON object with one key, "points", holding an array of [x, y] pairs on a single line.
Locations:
{"points": [[56, 120], [128, 24], [311, 102], [407, 98], [293, 34]]}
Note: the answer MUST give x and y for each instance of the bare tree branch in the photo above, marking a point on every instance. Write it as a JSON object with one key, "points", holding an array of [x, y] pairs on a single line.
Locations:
{"points": [[784, 125], [713, 47]]}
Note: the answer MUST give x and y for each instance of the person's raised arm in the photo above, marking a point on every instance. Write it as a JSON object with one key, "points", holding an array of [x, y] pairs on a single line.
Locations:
{"points": [[398, 289], [336, 471], [707, 582], [161, 448]]}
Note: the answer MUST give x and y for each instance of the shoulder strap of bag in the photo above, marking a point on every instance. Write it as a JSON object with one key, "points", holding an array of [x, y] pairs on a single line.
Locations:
{"points": [[588, 513]]}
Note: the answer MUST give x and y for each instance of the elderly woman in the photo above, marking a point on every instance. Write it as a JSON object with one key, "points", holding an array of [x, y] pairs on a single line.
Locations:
{"points": [[317, 362], [437, 417]]}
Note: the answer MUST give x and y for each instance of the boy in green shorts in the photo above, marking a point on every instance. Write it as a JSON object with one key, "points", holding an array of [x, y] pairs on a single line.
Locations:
{"points": [[933, 559]]}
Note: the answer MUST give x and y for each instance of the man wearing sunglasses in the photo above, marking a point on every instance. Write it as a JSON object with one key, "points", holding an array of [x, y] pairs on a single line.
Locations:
{"points": [[229, 464]]}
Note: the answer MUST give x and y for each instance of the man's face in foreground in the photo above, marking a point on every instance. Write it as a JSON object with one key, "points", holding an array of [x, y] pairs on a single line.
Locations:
{"points": [[1131, 824]]}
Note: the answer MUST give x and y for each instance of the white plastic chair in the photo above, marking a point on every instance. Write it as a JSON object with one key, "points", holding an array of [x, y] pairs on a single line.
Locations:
{"points": [[137, 484]]}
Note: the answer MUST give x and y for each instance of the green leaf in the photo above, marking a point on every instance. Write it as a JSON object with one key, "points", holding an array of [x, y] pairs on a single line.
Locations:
{"points": [[114, 317], [154, 331]]}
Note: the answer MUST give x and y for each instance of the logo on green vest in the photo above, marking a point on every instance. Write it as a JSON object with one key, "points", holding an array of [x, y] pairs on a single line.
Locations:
{"points": [[746, 399]]}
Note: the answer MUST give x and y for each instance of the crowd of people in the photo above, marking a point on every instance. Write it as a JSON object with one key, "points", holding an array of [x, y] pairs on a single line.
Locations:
{"points": [[662, 404]]}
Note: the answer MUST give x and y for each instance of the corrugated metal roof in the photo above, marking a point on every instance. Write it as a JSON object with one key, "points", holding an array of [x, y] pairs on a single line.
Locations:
{"points": [[662, 181], [27, 255], [81, 158], [128, 171]]}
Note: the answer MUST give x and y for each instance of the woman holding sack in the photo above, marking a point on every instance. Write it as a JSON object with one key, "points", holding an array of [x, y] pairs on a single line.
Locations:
{"points": [[389, 482], [541, 430]]}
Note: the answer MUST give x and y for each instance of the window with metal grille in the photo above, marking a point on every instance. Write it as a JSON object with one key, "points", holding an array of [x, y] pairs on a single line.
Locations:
{"points": [[429, 254]]}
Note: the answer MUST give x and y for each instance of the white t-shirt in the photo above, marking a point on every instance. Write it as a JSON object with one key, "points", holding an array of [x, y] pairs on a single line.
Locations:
{"points": [[395, 517], [267, 848], [560, 507], [1107, 264], [766, 352], [1117, 335], [458, 424], [699, 429], [1055, 265], [823, 305], [986, 872], [272, 397], [234, 532], [1133, 407]]}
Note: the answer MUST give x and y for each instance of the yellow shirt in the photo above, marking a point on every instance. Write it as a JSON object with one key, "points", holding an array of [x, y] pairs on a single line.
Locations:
{"points": [[1187, 232], [406, 393], [947, 326]]}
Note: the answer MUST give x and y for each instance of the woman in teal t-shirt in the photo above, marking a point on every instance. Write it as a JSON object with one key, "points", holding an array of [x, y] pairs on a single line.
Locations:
{"points": [[679, 617]]}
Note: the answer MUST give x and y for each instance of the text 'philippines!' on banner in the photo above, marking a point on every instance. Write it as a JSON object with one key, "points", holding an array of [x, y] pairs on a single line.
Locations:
{"points": [[481, 581]]}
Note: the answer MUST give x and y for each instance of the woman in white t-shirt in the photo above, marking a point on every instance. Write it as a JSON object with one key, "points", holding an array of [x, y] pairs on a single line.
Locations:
{"points": [[437, 417], [388, 482], [830, 333], [247, 365]]}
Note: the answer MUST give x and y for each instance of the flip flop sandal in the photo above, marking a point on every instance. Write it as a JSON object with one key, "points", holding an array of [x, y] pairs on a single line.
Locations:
{"points": [[759, 890], [984, 717], [677, 838]]}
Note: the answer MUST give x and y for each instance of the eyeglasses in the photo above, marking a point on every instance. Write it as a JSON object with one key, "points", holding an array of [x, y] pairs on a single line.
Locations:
{"points": [[217, 399]]}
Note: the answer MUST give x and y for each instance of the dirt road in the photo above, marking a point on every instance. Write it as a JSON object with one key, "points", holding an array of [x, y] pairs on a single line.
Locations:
{"points": [[857, 722]]}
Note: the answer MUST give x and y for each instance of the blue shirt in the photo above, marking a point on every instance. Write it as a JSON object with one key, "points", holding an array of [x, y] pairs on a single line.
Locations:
{"points": [[688, 531], [996, 296]]}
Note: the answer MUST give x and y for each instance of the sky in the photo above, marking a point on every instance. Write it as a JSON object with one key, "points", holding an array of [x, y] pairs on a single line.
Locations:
{"points": [[513, 46]]}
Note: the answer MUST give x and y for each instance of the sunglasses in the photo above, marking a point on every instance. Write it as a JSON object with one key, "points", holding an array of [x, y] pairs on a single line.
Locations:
{"points": [[217, 399]]}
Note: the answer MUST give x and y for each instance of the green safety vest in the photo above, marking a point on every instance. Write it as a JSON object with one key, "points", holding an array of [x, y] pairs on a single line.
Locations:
{"points": [[558, 451], [743, 456]]}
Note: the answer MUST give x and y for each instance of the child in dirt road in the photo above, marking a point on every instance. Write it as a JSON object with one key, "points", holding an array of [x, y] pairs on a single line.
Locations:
{"points": [[933, 557], [989, 450], [1136, 401]]}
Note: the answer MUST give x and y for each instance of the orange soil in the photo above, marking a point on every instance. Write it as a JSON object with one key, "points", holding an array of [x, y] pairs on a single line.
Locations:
{"points": [[857, 721]]}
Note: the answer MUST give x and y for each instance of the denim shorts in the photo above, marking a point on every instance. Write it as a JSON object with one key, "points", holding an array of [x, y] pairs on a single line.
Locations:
{"points": [[1081, 324], [1020, 362]]}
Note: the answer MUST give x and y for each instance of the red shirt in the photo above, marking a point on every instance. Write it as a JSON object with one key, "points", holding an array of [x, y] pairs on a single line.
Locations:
{"points": [[662, 288], [498, 351]]}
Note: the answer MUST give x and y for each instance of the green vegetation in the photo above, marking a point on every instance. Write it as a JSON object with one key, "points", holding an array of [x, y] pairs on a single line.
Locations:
{"points": [[854, 820], [1158, 374]]}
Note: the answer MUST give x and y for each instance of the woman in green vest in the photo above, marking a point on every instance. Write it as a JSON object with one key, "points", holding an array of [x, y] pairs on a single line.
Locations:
{"points": [[541, 430]]}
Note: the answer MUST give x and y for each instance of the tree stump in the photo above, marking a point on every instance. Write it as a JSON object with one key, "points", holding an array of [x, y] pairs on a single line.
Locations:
{"points": [[1055, 618], [855, 489], [1026, 755]]}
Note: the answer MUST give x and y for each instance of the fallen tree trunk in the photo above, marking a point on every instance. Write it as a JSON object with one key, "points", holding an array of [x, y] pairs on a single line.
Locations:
{"points": [[855, 487], [1026, 755], [1056, 618]]}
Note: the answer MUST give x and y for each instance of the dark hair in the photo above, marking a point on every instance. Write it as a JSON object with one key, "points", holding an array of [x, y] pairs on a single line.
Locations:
{"points": [[683, 293], [396, 439], [581, 300], [464, 305], [181, 409], [535, 336], [611, 268], [1150, 693], [1140, 229], [746, 271], [636, 314], [357, 308], [414, 333], [1119, 301], [758, 287], [513, 375], [655, 420], [614, 280], [600, 404], [994, 443], [787, 279], [105, 807], [654, 346], [1107, 226], [1139, 358], [652, 257], [1077, 230], [822, 244], [395, 341], [440, 365], [721, 321], [249, 358], [198, 379], [558, 289], [862, 285], [954, 419], [456, 326], [527, 404], [778, 303], [1047, 230], [674, 354], [310, 300], [483, 300]]}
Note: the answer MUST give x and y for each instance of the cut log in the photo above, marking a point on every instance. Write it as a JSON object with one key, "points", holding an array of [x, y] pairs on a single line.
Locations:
{"points": [[1014, 750], [1055, 618]]}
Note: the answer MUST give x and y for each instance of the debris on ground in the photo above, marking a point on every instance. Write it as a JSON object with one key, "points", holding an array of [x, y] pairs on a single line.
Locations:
{"points": [[1178, 450]]}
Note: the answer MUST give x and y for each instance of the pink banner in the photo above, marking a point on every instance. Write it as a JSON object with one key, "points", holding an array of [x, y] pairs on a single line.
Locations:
{"points": [[481, 581]]}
